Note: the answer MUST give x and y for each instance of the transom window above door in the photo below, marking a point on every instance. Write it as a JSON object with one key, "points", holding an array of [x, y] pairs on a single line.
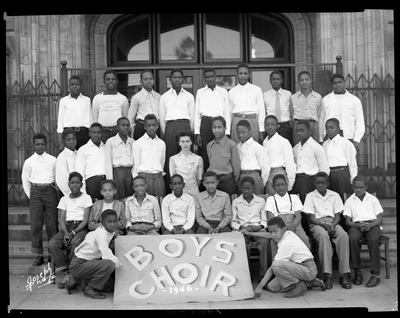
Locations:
{"points": [[197, 38]]}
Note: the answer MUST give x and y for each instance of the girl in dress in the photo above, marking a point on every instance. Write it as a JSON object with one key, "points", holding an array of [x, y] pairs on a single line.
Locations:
{"points": [[186, 163]]}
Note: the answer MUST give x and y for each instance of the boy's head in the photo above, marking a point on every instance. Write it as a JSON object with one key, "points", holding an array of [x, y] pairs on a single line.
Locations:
{"points": [[277, 227], [247, 186], [75, 182], [75, 85], [95, 131], [69, 138], [176, 78], [303, 130], [337, 81], [139, 185], [185, 139], [109, 219], [359, 186], [304, 79], [243, 130], [209, 76], [271, 125], [280, 184], [218, 126], [110, 79], [177, 184], [151, 125], [39, 143], [321, 182], [276, 80], [210, 181], [123, 126], [332, 127], [243, 73], [108, 190], [147, 79]]}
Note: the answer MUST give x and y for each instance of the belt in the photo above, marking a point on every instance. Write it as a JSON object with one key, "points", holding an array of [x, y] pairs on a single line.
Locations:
{"points": [[337, 168], [124, 167], [303, 175], [73, 222], [245, 115], [147, 223], [250, 171], [42, 184], [139, 121], [149, 174], [277, 168], [309, 120], [97, 175], [78, 128], [178, 120], [207, 117]]}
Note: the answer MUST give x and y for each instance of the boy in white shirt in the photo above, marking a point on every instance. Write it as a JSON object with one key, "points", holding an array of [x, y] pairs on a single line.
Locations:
{"points": [[38, 176], [288, 207], [109, 105], [178, 209]]}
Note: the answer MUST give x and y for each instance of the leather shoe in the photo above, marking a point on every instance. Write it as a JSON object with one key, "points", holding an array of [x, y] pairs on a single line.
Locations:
{"points": [[38, 261], [345, 281], [299, 290], [328, 281], [72, 283], [358, 278], [316, 282], [93, 293], [373, 281]]}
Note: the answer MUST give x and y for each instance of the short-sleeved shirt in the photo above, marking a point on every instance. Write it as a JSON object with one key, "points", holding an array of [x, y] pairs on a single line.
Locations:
{"points": [[364, 210], [292, 248], [287, 204], [323, 206], [75, 207]]}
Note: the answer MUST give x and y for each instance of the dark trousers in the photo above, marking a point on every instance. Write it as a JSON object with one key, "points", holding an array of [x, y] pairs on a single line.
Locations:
{"points": [[155, 183], [286, 131], [213, 224], [172, 147], [43, 209], [92, 187], [82, 136], [164, 231], [123, 182], [227, 184], [304, 184], [206, 136], [97, 271], [373, 243], [108, 132], [339, 181], [264, 247], [57, 241]]}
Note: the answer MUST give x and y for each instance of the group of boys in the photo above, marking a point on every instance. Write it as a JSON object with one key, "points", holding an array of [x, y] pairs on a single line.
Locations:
{"points": [[115, 188]]}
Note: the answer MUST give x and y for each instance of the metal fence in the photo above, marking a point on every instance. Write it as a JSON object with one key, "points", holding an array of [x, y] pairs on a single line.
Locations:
{"points": [[33, 107]]}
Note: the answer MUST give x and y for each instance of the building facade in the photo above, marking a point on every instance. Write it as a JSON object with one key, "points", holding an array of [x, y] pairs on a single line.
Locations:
{"points": [[129, 43]]}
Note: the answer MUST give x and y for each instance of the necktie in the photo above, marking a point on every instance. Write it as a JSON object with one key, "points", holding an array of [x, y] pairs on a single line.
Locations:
{"points": [[277, 107]]}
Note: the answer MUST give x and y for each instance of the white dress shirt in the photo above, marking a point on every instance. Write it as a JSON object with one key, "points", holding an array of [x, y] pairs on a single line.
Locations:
{"points": [[148, 155], [176, 106], [284, 97], [178, 211], [90, 160], [248, 99], [65, 164], [118, 154], [253, 156], [341, 152], [364, 210], [107, 109], [283, 205], [74, 112], [310, 158], [352, 116], [142, 104], [280, 154], [38, 169], [323, 206], [292, 248], [245, 213], [212, 103]]}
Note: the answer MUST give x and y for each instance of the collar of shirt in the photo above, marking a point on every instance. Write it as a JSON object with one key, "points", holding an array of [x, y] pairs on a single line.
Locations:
{"points": [[216, 88], [183, 197], [91, 144], [120, 141], [274, 138], [146, 136], [328, 194], [104, 229], [180, 153], [256, 199], [366, 197], [70, 152], [249, 141], [173, 91], [336, 139], [205, 195], [36, 156], [134, 199], [223, 141]]}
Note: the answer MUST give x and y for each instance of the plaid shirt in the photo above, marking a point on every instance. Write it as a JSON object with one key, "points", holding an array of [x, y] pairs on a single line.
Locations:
{"points": [[149, 211]]}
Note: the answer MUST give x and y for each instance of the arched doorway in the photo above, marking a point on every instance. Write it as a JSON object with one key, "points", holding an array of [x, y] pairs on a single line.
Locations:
{"points": [[195, 41]]}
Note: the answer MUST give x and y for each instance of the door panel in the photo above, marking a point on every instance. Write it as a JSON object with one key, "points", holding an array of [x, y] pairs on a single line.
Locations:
{"points": [[191, 82]]}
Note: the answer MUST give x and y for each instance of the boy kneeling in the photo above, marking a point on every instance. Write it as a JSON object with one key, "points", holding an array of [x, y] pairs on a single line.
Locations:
{"points": [[94, 260]]}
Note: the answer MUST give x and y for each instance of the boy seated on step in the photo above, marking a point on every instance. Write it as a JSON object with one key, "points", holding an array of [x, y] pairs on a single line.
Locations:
{"points": [[363, 214], [94, 262], [288, 207]]}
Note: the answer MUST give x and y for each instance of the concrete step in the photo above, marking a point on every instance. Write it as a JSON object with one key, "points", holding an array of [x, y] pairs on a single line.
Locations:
{"points": [[22, 232], [22, 249], [23, 266]]}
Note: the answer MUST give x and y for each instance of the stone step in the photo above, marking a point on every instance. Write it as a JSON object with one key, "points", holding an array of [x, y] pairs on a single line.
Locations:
{"points": [[22, 249], [23, 232], [23, 266]]}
